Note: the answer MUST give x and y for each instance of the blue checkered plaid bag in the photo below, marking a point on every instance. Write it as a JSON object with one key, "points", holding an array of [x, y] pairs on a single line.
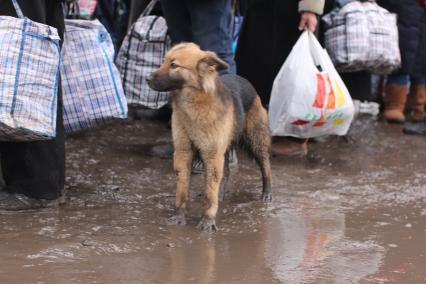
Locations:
{"points": [[91, 84], [29, 73]]}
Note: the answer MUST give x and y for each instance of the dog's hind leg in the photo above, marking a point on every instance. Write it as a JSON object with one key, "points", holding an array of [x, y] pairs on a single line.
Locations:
{"points": [[214, 164], [182, 160], [257, 140], [225, 178]]}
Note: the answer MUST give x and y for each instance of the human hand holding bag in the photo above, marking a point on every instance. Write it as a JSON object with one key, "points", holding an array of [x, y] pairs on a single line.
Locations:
{"points": [[309, 99]]}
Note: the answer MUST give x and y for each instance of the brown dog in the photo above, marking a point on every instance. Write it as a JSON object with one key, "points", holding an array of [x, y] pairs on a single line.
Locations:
{"points": [[210, 114]]}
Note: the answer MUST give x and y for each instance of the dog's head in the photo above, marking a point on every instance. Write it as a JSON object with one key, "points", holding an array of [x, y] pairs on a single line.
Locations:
{"points": [[187, 66]]}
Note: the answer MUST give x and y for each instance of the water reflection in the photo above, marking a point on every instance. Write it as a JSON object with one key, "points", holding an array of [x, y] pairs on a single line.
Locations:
{"points": [[308, 244]]}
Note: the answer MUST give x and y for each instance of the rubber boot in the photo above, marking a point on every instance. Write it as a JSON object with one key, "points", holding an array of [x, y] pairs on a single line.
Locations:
{"points": [[418, 100], [396, 96]]}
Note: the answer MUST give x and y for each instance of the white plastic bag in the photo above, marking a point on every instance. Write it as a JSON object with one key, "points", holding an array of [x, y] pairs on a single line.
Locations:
{"points": [[309, 99]]}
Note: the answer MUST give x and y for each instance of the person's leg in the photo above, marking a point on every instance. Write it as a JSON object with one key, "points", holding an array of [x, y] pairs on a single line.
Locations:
{"points": [[418, 97], [212, 28], [359, 85], [419, 79], [36, 169], [396, 96], [178, 20], [105, 14]]}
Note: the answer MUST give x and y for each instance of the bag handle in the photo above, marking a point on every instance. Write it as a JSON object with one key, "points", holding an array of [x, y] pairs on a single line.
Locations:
{"points": [[18, 9], [149, 8], [341, 3]]}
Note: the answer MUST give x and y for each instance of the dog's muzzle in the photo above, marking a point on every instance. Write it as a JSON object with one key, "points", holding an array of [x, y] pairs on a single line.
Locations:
{"points": [[163, 83]]}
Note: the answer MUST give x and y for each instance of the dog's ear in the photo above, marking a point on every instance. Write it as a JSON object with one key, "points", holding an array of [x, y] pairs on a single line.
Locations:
{"points": [[213, 61]]}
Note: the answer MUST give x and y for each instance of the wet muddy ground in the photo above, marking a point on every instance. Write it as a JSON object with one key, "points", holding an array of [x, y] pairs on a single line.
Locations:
{"points": [[352, 212]]}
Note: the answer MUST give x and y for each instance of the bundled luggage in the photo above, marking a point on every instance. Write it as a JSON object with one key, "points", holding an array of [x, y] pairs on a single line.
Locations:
{"points": [[29, 74], [362, 36], [91, 84], [141, 53]]}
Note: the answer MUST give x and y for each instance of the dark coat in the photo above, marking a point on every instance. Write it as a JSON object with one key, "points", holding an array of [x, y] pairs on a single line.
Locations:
{"points": [[269, 31], [412, 33]]}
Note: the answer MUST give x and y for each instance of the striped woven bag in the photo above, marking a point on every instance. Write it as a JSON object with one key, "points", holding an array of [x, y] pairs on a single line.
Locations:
{"points": [[91, 84], [29, 73]]}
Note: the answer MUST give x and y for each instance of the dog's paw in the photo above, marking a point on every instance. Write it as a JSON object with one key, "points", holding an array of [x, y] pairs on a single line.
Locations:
{"points": [[177, 219], [267, 197], [207, 225]]}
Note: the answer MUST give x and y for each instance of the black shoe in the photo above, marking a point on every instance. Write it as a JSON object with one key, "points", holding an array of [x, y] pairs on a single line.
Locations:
{"points": [[162, 151], [19, 202], [198, 166], [415, 128], [138, 113]]}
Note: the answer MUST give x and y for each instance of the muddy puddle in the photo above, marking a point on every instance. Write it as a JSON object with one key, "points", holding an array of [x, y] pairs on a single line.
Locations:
{"points": [[354, 211]]}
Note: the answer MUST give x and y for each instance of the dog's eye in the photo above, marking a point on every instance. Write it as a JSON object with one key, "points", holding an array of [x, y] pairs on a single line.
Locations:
{"points": [[173, 65]]}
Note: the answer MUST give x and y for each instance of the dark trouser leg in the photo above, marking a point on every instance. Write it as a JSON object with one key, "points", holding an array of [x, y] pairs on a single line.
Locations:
{"points": [[359, 85], [36, 169], [178, 20], [211, 28], [136, 9]]}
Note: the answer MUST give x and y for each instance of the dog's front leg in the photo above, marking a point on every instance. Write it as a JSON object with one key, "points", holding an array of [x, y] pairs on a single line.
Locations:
{"points": [[182, 161], [182, 165], [214, 173]]}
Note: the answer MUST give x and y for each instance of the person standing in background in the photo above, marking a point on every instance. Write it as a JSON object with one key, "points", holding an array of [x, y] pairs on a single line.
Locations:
{"points": [[412, 43], [419, 128], [34, 172], [206, 23], [113, 14], [269, 32]]}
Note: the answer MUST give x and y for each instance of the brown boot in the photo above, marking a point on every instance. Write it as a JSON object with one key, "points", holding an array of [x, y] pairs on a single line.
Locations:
{"points": [[288, 146], [418, 100], [395, 99]]}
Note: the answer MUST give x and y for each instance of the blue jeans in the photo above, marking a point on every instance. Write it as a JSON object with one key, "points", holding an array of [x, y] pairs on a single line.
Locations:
{"points": [[404, 79], [204, 22]]}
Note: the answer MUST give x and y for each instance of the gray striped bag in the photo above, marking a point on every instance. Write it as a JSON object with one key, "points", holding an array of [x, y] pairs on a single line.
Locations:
{"points": [[362, 36], [141, 53], [29, 73], [91, 84]]}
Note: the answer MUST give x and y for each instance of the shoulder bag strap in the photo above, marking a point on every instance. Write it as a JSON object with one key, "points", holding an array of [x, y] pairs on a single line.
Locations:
{"points": [[149, 8], [17, 9]]}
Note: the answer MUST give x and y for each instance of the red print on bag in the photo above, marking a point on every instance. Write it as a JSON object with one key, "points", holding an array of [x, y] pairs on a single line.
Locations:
{"points": [[320, 98], [321, 93], [324, 85], [300, 122]]}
